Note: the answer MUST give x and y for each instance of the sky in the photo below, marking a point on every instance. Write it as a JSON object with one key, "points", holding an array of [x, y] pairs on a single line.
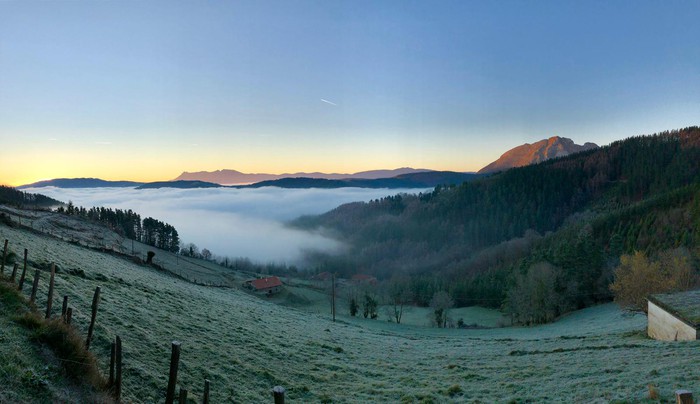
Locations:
{"points": [[133, 90]]}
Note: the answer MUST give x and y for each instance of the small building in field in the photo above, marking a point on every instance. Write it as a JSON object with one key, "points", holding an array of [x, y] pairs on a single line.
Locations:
{"points": [[322, 277], [363, 279], [268, 286], [674, 316]]}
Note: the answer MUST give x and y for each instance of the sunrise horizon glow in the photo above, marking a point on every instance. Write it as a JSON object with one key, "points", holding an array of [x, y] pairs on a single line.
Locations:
{"points": [[144, 91]]}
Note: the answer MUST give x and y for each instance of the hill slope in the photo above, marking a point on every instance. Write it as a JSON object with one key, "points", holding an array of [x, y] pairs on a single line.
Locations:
{"points": [[536, 153], [245, 345], [12, 196], [578, 213]]}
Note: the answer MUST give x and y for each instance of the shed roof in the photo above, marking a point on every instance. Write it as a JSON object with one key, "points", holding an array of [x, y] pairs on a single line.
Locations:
{"points": [[684, 305], [266, 283]]}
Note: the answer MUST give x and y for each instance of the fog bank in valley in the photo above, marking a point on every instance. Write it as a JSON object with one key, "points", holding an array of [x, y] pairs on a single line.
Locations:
{"points": [[230, 222]]}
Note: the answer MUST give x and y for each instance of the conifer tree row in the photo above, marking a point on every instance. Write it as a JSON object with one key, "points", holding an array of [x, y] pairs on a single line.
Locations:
{"points": [[129, 224]]}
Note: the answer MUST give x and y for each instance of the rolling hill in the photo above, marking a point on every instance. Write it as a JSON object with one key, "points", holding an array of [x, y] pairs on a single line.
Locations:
{"points": [[245, 344]]}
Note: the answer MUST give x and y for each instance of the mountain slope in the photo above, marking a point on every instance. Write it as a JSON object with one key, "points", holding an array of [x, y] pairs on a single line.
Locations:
{"points": [[536, 153], [578, 213]]}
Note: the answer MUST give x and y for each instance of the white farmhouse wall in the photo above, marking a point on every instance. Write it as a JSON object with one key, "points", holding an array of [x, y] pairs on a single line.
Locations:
{"points": [[664, 326]]}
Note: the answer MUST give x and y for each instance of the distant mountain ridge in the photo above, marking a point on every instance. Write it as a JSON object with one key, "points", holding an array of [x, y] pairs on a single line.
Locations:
{"points": [[536, 153], [415, 179], [233, 177], [181, 184], [427, 179], [81, 183]]}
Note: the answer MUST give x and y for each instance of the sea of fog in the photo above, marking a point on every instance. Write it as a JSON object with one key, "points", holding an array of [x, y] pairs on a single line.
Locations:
{"points": [[231, 222]]}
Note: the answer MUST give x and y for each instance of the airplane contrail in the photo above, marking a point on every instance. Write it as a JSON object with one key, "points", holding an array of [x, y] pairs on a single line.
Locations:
{"points": [[328, 102]]}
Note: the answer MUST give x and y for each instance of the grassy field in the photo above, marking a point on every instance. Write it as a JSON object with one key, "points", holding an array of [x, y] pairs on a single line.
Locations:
{"points": [[246, 345]]}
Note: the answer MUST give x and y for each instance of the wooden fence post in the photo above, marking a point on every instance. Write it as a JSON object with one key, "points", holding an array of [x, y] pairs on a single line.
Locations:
{"points": [[172, 380], [64, 308], [205, 400], [183, 396], [69, 315], [684, 397], [51, 283], [95, 302], [24, 271], [14, 272], [278, 394], [118, 375], [35, 286], [4, 255], [112, 357]]}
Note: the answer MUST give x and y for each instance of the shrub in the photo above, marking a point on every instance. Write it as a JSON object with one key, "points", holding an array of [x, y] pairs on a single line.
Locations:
{"points": [[637, 277]]}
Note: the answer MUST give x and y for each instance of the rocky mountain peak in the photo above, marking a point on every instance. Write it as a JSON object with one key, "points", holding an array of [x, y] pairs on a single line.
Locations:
{"points": [[537, 152]]}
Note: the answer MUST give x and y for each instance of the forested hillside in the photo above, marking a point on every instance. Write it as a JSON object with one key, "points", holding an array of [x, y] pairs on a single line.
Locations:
{"points": [[575, 214], [12, 196]]}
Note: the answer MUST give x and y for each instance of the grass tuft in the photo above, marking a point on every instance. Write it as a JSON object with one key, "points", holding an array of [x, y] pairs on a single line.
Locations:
{"points": [[454, 390], [11, 300], [653, 392], [68, 346], [65, 342]]}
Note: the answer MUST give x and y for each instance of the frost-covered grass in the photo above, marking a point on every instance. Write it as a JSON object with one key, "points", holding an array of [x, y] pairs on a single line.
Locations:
{"points": [[246, 345]]}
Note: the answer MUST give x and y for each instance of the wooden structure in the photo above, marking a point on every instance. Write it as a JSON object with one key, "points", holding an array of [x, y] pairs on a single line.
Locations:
{"points": [[268, 286], [674, 316]]}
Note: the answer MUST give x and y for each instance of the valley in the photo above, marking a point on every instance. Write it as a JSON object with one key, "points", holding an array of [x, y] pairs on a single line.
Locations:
{"points": [[246, 345]]}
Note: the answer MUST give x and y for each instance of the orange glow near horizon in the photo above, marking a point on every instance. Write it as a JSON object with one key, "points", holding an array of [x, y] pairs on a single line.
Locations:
{"points": [[155, 161], [144, 171]]}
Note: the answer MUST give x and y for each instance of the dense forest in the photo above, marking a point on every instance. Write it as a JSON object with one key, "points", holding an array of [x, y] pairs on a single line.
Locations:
{"points": [[14, 197], [562, 224], [129, 224]]}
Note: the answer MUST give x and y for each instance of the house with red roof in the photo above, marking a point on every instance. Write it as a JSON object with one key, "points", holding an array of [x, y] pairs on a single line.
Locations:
{"points": [[268, 286]]}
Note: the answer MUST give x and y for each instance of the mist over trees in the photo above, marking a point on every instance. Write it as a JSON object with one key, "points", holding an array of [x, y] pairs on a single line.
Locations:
{"points": [[554, 230]]}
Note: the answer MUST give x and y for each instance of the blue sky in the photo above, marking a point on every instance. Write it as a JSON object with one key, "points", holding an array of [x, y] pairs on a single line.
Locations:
{"points": [[145, 90]]}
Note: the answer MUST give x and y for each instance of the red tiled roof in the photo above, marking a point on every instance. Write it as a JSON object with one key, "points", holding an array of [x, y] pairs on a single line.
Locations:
{"points": [[266, 283]]}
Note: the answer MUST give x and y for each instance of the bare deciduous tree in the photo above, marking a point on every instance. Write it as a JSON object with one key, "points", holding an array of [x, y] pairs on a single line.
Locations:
{"points": [[441, 303]]}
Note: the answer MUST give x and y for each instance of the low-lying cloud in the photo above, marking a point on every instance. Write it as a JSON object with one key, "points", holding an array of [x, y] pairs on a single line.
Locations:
{"points": [[230, 222]]}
